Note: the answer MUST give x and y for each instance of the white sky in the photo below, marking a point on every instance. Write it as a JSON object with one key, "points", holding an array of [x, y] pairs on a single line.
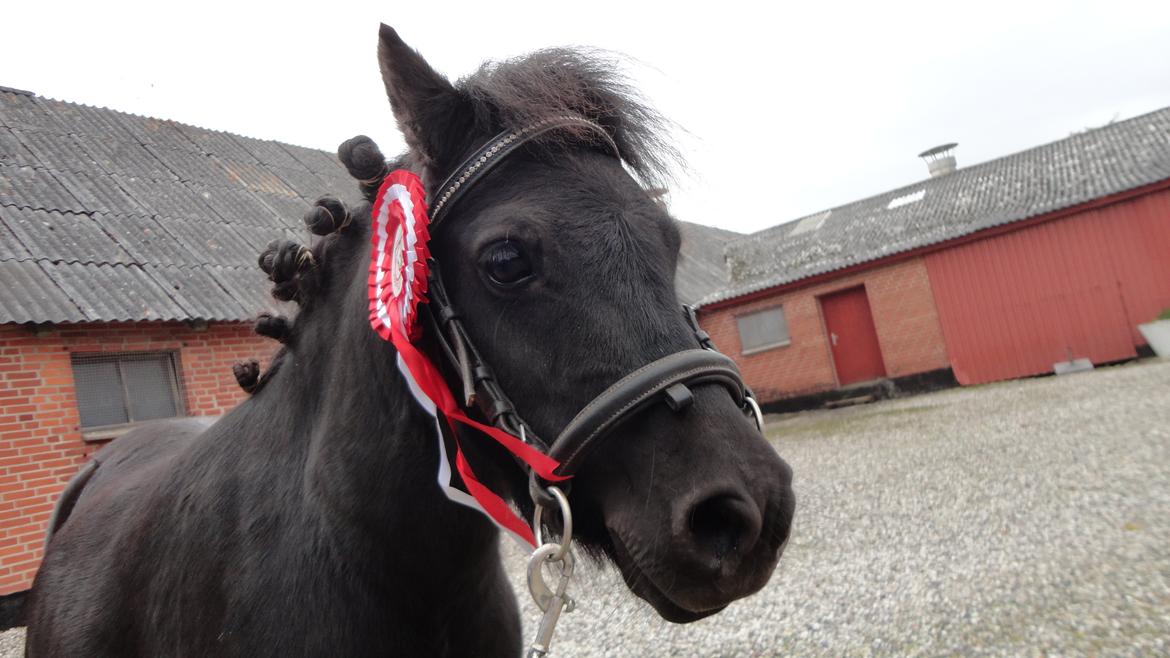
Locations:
{"points": [[787, 110]]}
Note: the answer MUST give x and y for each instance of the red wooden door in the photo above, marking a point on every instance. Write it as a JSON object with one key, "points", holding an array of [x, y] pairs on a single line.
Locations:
{"points": [[852, 336]]}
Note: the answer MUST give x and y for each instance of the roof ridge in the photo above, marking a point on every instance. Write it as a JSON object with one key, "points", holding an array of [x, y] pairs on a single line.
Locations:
{"points": [[966, 170], [105, 108]]}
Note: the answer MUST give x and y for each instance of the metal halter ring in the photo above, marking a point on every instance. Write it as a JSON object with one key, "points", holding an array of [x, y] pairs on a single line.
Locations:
{"points": [[566, 523], [756, 413]]}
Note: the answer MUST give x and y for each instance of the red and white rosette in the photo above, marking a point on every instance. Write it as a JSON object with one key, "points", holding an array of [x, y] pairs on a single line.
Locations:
{"points": [[397, 285], [398, 263]]}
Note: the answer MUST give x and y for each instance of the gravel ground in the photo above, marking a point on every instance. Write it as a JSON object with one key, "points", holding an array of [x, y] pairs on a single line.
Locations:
{"points": [[1025, 518]]}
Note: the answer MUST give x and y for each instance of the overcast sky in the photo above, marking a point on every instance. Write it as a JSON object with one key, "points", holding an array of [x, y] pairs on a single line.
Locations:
{"points": [[784, 110]]}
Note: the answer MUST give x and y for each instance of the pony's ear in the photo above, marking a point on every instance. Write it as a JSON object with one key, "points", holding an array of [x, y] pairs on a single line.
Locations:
{"points": [[425, 104]]}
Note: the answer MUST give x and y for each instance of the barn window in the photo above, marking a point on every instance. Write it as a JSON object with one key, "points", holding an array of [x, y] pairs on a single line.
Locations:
{"points": [[126, 387], [762, 330]]}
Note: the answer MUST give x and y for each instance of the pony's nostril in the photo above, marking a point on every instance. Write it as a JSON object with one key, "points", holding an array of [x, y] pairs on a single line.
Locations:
{"points": [[725, 524]]}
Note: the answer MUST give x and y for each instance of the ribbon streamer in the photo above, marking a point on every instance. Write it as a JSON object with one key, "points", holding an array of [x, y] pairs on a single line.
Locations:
{"points": [[397, 285]]}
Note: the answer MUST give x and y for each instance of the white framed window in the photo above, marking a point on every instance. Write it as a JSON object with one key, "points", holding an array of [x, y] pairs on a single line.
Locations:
{"points": [[762, 330], [118, 388]]}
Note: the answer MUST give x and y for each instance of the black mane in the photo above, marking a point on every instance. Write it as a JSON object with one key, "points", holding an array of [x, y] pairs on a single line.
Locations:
{"points": [[516, 92]]}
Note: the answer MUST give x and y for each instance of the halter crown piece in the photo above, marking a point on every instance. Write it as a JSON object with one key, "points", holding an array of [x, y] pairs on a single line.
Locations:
{"points": [[406, 287]]}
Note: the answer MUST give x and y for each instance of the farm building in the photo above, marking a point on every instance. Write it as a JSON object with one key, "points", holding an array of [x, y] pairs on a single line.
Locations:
{"points": [[128, 283], [994, 271]]}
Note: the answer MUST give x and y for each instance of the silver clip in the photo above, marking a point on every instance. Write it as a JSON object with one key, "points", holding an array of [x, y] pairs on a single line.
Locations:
{"points": [[551, 601]]}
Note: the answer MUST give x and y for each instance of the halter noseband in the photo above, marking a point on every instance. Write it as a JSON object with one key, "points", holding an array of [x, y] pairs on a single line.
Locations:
{"points": [[665, 380]]}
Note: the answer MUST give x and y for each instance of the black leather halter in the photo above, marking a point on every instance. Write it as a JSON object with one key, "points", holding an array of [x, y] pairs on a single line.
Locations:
{"points": [[666, 380]]}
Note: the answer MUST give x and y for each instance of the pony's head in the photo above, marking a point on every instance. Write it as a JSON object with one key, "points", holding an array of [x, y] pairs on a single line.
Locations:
{"points": [[561, 267]]}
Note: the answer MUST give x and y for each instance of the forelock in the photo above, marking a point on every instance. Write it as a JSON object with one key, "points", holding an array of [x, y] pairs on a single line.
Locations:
{"points": [[517, 92]]}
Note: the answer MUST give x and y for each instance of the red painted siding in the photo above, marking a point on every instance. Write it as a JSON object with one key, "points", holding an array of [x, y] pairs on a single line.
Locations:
{"points": [[903, 313], [1014, 304], [852, 337], [40, 437]]}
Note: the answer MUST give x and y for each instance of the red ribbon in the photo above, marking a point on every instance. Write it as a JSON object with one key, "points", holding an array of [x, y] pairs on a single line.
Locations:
{"points": [[400, 241]]}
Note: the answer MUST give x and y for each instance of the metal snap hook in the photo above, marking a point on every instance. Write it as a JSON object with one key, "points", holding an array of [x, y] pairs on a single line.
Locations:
{"points": [[552, 601], [566, 523], [542, 594]]}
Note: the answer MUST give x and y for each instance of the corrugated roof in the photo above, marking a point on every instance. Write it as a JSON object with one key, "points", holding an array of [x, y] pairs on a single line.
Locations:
{"points": [[26, 186], [700, 269], [1085, 166], [62, 237], [114, 292], [199, 294], [108, 216], [146, 240], [10, 247], [29, 293]]}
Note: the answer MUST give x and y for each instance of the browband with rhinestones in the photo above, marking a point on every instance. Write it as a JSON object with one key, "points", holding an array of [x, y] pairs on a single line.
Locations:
{"points": [[482, 161]]}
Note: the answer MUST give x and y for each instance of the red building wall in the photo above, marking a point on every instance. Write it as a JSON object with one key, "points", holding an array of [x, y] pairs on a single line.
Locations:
{"points": [[1012, 305], [41, 445], [904, 315]]}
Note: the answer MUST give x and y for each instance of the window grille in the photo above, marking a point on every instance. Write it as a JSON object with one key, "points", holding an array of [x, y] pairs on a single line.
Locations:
{"points": [[126, 387], [762, 330]]}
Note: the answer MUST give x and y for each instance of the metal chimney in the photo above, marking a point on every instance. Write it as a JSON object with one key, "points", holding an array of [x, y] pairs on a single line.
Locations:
{"points": [[939, 159]]}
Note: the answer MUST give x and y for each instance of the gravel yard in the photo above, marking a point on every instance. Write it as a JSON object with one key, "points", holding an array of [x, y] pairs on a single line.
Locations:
{"points": [[1025, 518]]}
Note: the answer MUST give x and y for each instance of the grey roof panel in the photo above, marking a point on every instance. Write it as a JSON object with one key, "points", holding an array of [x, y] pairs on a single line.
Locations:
{"points": [[306, 183], [148, 130], [255, 177], [55, 151], [53, 236], [165, 198], [320, 162], [1085, 166], [212, 242], [146, 241], [289, 208], [190, 165], [21, 111], [258, 238], [198, 292], [236, 205], [98, 193], [12, 150], [216, 143], [124, 157], [77, 119], [101, 204], [700, 261], [29, 295], [114, 292], [251, 288], [34, 187], [267, 153], [10, 247]]}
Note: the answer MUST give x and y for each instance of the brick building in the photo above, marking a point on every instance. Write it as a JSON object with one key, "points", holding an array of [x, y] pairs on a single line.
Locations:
{"points": [[128, 283], [999, 270], [128, 265]]}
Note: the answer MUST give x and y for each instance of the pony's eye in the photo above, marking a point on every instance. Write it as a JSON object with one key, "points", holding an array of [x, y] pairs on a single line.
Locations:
{"points": [[506, 264]]}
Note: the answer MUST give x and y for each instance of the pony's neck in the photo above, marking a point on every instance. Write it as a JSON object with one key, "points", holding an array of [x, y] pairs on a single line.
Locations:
{"points": [[372, 457]]}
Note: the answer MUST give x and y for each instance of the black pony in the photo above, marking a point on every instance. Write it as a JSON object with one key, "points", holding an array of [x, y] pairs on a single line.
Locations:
{"points": [[307, 520]]}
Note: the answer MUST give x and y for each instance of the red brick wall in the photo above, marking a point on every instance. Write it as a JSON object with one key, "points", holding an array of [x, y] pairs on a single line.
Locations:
{"points": [[903, 312], [41, 446]]}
